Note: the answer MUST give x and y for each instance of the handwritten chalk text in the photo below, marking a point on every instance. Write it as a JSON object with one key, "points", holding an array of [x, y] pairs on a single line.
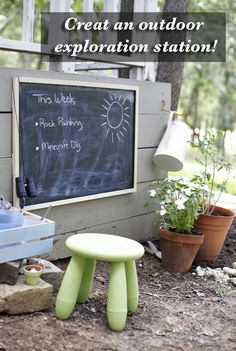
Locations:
{"points": [[65, 145], [58, 98]]}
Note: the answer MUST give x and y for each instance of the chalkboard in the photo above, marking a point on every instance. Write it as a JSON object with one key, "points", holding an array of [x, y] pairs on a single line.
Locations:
{"points": [[77, 140]]}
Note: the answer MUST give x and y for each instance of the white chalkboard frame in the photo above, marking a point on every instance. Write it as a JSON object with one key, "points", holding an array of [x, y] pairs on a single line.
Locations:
{"points": [[16, 143]]}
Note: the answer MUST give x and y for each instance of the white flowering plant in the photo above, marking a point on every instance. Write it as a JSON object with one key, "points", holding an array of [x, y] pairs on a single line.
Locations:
{"points": [[180, 202]]}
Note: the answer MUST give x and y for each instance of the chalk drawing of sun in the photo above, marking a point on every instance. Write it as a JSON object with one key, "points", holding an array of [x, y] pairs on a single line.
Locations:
{"points": [[117, 117]]}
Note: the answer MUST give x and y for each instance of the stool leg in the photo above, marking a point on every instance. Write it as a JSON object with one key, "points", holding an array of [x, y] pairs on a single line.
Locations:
{"points": [[117, 297], [67, 295], [132, 285], [87, 280]]}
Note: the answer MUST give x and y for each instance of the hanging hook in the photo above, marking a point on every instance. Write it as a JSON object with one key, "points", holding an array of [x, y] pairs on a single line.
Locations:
{"points": [[168, 110]]}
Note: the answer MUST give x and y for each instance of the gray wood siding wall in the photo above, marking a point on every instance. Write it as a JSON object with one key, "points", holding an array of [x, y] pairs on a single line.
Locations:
{"points": [[123, 215]]}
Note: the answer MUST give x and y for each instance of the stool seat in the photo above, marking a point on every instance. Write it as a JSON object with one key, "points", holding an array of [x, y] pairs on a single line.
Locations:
{"points": [[105, 247], [77, 282]]}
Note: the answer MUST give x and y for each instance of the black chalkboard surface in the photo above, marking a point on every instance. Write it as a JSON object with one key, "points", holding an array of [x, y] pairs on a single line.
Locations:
{"points": [[76, 140]]}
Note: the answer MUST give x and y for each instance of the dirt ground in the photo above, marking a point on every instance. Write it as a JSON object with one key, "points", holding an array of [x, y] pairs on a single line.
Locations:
{"points": [[177, 312]]}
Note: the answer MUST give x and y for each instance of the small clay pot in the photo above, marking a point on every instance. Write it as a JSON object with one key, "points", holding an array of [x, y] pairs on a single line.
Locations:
{"points": [[179, 250], [32, 272]]}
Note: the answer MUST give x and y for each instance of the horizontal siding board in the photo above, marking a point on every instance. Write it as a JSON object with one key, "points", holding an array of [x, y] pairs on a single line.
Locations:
{"points": [[5, 135], [139, 228], [151, 129], [151, 94], [147, 171], [25, 250], [84, 215], [6, 178]]}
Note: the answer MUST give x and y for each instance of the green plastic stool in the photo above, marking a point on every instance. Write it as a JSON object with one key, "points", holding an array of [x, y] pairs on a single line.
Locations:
{"points": [[77, 282]]}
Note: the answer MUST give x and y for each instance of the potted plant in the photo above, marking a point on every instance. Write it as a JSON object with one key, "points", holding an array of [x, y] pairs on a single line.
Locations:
{"points": [[179, 203], [214, 221]]}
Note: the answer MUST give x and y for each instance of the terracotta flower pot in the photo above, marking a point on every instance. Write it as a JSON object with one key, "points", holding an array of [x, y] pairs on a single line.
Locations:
{"points": [[179, 250], [215, 228]]}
